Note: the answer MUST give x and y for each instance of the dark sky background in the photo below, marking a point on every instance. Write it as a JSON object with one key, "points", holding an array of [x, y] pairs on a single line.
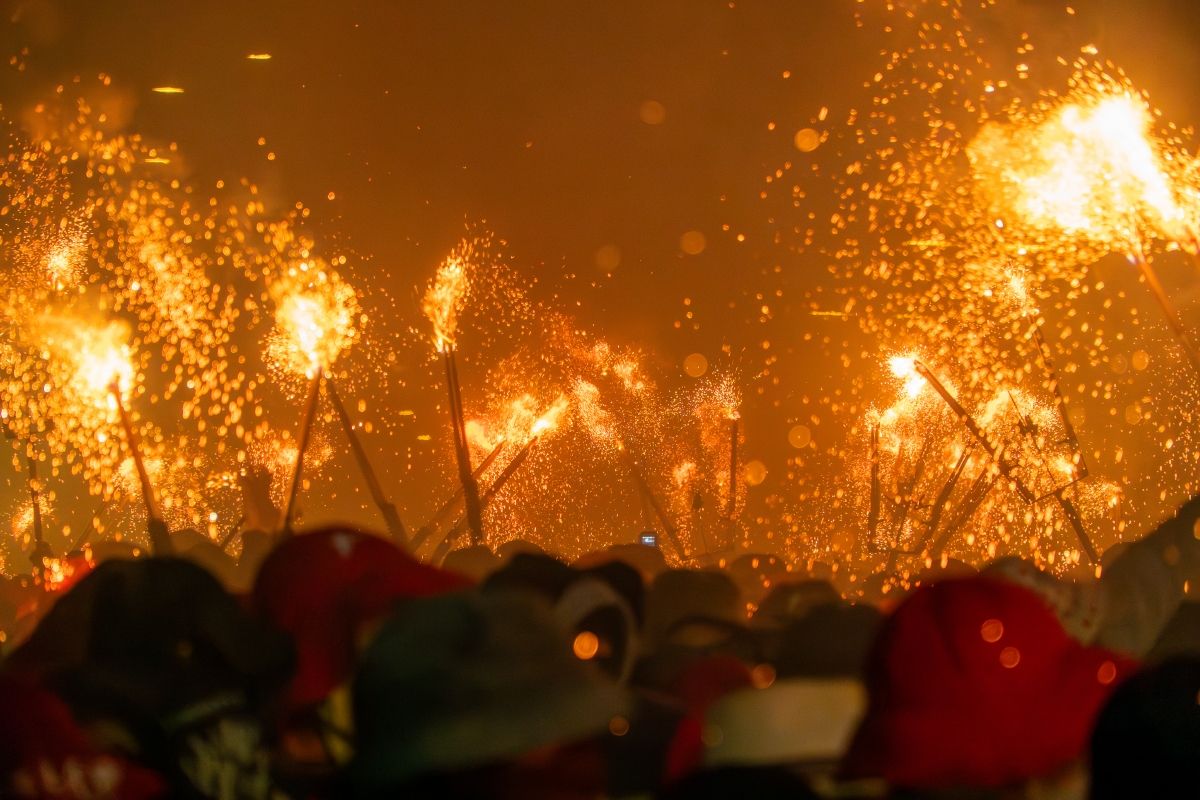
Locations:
{"points": [[420, 116]]}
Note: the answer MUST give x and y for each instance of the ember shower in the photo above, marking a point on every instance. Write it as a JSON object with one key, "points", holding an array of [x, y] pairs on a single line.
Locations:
{"points": [[951, 318]]}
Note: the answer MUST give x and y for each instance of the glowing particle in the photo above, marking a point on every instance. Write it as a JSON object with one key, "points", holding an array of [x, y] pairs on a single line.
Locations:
{"points": [[652, 112], [807, 140], [754, 473], [608, 257], [695, 365], [586, 645], [800, 437], [693, 243], [1010, 657]]}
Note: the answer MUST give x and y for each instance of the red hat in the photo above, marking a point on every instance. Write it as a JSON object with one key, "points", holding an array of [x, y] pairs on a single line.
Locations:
{"points": [[974, 682], [45, 754], [702, 683], [323, 586]]}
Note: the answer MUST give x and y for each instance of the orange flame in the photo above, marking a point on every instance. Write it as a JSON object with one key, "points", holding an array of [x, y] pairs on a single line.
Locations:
{"points": [[1089, 168], [447, 296], [316, 318]]}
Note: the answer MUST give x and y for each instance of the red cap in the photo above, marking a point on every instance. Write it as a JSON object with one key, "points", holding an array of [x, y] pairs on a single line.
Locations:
{"points": [[323, 586], [701, 684], [973, 682], [45, 754]]}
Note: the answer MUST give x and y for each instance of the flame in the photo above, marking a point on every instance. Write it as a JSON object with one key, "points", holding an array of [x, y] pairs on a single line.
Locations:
{"points": [[1089, 168], [447, 296], [549, 420], [479, 438], [520, 424], [596, 420], [905, 368], [316, 314], [99, 358], [684, 473]]}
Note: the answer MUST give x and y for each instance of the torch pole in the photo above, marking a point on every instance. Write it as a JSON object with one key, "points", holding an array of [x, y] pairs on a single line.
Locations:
{"points": [[1072, 515], [448, 508], [1174, 321], [509, 470], [652, 499], [943, 499], [310, 414], [39, 541], [973, 428], [1060, 400], [733, 461], [41, 550], [391, 516], [876, 492], [160, 537], [485, 500], [974, 498], [461, 450]]}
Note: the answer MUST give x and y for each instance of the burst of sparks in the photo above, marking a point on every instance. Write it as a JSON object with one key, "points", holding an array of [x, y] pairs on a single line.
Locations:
{"points": [[317, 316], [1090, 168]]}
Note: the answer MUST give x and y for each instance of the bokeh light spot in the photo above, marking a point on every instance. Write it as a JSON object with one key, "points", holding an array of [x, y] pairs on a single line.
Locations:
{"points": [[807, 140], [693, 243], [586, 645], [1010, 657], [695, 365], [652, 112], [800, 437]]}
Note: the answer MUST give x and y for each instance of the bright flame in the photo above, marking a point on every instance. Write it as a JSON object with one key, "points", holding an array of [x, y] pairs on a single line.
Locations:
{"points": [[447, 296], [549, 420], [1091, 167], [521, 424], [905, 368], [99, 358], [316, 314]]}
